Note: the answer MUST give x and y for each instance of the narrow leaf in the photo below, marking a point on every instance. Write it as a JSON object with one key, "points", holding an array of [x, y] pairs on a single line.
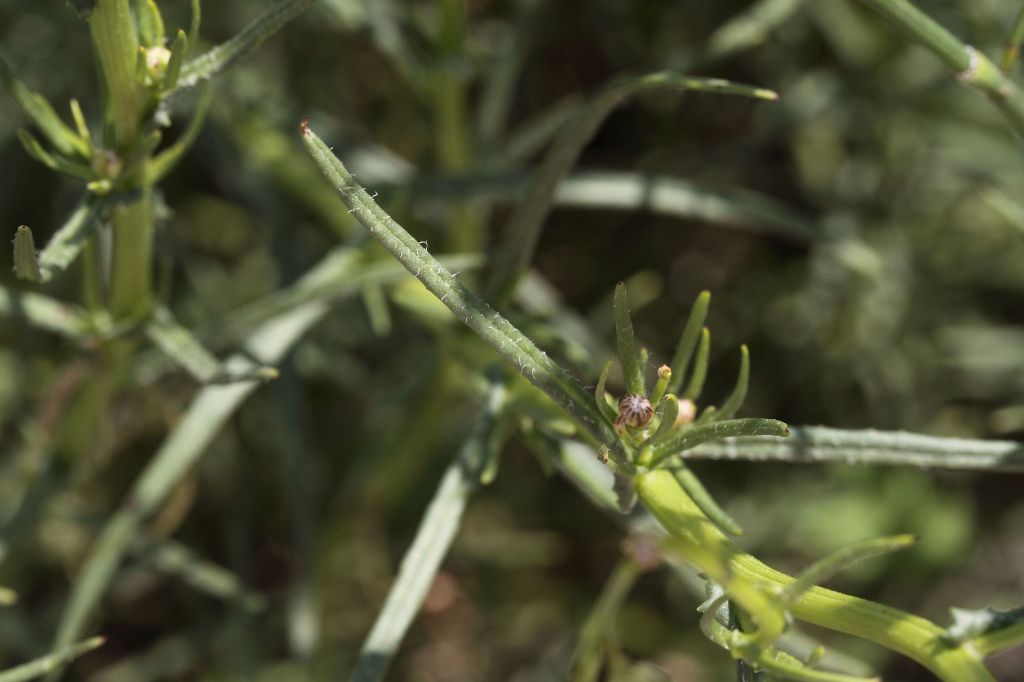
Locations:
{"points": [[735, 400], [80, 124], [692, 437], [842, 559], [688, 341], [54, 162], [194, 23], [176, 456], [628, 356], [185, 349], [149, 23], [490, 325], [689, 482], [433, 538], [219, 58], [39, 111], [59, 658], [165, 161], [599, 394], [67, 243], [179, 50], [818, 444], [519, 238], [44, 312], [700, 366], [669, 412]]}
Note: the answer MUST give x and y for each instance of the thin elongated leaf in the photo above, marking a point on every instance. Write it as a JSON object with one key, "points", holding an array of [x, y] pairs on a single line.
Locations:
{"points": [[184, 348], [519, 238], [817, 444], [433, 538], [751, 27], [179, 50], [239, 46], [689, 482], [149, 22], [44, 312], [207, 413], [692, 437], [629, 358], [735, 400], [668, 412], [176, 559], [599, 394], [166, 160], [688, 341], [700, 366], [58, 163], [490, 325], [41, 666], [39, 111], [842, 559], [590, 654]]}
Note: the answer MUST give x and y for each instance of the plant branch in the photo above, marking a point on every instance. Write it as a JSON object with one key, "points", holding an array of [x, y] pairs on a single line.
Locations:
{"points": [[969, 65]]}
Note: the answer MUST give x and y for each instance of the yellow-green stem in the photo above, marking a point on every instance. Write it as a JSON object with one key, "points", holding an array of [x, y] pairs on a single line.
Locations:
{"points": [[754, 586], [453, 149], [113, 35], [131, 261]]}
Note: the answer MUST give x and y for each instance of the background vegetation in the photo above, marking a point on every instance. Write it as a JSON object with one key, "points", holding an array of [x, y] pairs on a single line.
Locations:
{"points": [[863, 235]]}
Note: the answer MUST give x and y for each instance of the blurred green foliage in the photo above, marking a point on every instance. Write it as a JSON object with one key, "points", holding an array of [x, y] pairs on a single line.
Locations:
{"points": [[866, 244]]}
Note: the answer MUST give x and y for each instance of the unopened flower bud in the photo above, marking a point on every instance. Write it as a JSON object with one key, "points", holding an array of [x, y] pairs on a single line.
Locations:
{"points": [[634, 411]]}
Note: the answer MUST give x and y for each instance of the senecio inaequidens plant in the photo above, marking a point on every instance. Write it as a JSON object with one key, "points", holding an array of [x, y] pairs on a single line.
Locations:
{"points": [[643, 436]]}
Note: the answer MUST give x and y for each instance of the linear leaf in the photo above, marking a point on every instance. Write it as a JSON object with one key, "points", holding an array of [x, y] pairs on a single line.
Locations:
{"points": [[692, 437], [39, 111], [202, 421], [632, 370], [490, 325], [433, 538], [519, 238], [44, 312], [817, 444], [69, 240], [239, 46], [41, 666], [688, 341]]}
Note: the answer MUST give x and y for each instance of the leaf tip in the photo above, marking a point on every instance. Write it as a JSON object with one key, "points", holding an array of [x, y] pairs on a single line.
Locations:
{"points": [[304, 126]]}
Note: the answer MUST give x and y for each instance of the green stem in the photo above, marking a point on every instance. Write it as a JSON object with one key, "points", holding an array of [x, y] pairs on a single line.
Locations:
{"points": [[131, 276], [113, 35], [751, 584], [453, 150], [970, 65]]}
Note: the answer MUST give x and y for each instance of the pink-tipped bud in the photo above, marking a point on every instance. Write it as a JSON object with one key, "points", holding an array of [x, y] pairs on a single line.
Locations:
{"points": [[687, 412]]}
